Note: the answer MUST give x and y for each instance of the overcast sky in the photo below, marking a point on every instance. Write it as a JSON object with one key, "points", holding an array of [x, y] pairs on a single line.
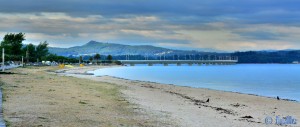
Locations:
{"points": [[228, 25]]}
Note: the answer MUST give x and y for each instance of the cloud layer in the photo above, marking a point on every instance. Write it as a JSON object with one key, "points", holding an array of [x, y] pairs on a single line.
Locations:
{"points": [[191, 24]]}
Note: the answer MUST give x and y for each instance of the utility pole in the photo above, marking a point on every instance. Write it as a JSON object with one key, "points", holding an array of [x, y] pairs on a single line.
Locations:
{"points": [[3, 59]]}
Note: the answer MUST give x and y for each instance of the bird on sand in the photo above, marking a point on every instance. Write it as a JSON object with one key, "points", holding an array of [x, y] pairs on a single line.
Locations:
{"points": [[278, 98], [207, 100]]}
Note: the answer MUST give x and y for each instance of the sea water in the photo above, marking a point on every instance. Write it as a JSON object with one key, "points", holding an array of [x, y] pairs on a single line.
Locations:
{"points": [[269, 80]]}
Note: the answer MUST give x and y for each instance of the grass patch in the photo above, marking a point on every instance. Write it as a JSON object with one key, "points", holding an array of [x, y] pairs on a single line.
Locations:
{"points": [[50, 90], [40, 77], [82, 102], [42, 118], [7, 123]]}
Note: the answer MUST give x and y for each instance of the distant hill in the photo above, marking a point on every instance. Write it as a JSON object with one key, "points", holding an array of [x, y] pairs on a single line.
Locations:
{"points": [[94, 47]]}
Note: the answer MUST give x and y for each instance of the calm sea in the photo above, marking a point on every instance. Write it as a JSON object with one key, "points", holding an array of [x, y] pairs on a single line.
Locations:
{"points": [[262, 79]]}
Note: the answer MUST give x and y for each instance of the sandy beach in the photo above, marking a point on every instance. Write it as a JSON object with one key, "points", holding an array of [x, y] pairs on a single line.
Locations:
{"points": [[38, 97], [189, 107], [47, 96]]}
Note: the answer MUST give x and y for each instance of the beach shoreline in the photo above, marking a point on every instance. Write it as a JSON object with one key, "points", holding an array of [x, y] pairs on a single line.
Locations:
{"points": [[182, 103], [88, 69]]}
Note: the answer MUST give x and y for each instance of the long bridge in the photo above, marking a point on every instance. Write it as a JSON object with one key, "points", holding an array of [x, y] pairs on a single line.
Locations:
{"points": [[179, 62]]}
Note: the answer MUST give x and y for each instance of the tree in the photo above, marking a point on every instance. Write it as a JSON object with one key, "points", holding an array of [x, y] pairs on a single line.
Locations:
{"points": [[97, 57], [80, 59], [52, 57], [109, 58], [12, 43], [91, 59], [42, 50], [29, 52]]}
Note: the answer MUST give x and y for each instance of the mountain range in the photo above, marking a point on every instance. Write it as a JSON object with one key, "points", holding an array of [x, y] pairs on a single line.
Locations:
{"points": [[94, 47], [117, 50]]}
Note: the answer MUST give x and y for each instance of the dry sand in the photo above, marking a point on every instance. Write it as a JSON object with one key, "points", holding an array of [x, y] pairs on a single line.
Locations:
{"points": [[189, 108], [38, 97]]}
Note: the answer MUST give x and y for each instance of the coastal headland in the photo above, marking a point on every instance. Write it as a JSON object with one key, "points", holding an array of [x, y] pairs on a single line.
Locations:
{"points": [[46, 96]]}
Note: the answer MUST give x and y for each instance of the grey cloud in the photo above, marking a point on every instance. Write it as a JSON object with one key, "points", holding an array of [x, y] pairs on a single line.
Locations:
{"points": [[208, 9], [261, 35], [173, 16]]}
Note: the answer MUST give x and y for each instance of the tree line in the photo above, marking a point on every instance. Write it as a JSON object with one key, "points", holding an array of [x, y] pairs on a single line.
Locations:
{"points": [[15, 50], [268, 57], [97, 59]]}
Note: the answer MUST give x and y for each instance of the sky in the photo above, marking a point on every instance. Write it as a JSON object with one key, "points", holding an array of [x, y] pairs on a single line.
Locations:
{"points": [[227, 25]]}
